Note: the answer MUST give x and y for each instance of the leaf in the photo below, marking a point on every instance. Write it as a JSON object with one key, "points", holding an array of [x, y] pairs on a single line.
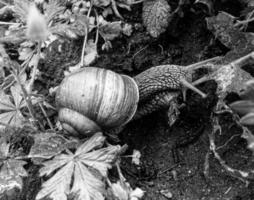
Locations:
{"points": [[101, 3], [78, 28], [230, 78], [10, 113], [85, 186], [52, 9], [155, 16], [21, 9], [11, 170], [47, 145], [110, 30]]}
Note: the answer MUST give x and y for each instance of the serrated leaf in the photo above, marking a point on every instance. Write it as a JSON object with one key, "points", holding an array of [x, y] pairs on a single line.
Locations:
{"points": [[86, 185], [58, 186], [10, 113], [155, 16], [47, 145]]}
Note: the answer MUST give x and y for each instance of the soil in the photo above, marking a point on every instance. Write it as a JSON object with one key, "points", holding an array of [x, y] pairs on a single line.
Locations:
{"points": [[175, 160]]}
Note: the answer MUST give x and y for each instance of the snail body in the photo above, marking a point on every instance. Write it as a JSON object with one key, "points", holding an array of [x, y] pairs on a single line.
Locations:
{"points": [[94, 99]]}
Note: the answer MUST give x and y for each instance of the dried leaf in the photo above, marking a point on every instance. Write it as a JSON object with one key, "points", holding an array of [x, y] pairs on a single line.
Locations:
{"points": [[230, 78], [155, 16], [85, 185]]}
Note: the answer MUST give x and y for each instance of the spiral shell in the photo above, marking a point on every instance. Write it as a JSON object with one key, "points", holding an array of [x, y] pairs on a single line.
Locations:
{"points": [[94, 99]]}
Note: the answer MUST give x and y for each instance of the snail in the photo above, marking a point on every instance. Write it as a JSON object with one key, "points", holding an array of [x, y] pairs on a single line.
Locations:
{"points": [[96, 99]]}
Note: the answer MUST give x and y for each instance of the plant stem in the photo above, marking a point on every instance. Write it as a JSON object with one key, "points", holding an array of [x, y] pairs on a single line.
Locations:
{"points": [[46, 116], [85, 39], [97, 28], [31, 83], [27, 98], [8, 23]]}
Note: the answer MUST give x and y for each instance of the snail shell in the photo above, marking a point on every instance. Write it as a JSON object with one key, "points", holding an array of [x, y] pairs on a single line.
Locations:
{"points": [[94, 99]]}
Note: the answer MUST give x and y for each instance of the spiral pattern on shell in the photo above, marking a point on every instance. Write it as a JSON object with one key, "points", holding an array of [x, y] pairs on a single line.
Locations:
{"points": [[104, 100]]}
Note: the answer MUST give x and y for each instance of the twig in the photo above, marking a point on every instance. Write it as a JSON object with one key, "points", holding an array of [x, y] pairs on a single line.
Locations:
{"points": [[226, 143], [168, 169], [97, 28], [142, 49], [207, 164], [239, 174], [85, 38]]}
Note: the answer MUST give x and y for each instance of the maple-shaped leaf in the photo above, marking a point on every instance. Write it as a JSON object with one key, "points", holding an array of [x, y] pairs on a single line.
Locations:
{"points": [[11, 169], [155, 16], [10, 112], [76, 172]]}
